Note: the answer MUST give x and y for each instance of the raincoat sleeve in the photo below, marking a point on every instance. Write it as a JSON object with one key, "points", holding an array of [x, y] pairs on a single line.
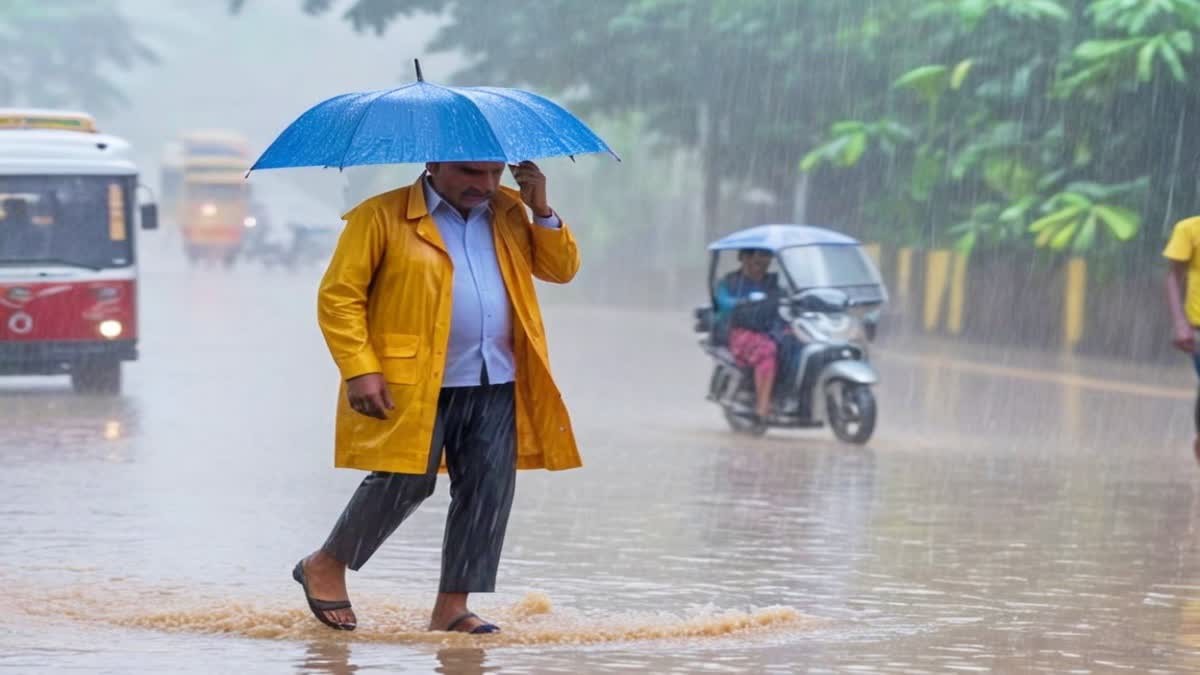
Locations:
{"points": [[555, 254], [342, 298]]}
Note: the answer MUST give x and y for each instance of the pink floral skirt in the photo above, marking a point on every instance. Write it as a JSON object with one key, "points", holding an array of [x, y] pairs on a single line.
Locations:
{"points": [[755, 350]]}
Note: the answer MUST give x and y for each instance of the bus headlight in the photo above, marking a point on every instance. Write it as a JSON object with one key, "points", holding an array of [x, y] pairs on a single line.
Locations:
{"points": [[209, 209], [250, 221], [111, 329]]}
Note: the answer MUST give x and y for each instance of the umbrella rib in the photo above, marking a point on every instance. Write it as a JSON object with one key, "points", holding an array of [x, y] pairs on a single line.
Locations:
{"points": [[536, 114], [487, 126], [363, 116], [546, 123]]}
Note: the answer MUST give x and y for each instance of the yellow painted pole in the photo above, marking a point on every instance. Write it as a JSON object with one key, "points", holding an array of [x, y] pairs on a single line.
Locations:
{"points": [[1074, 304], [873, 252], [958, 294], [937, 272], [903, 275]]}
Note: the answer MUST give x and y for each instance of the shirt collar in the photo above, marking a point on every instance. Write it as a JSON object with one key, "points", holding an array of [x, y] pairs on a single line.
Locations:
{"points": [[434, 201]]}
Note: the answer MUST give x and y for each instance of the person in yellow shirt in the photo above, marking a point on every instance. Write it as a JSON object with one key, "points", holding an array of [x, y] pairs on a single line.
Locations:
{"points": [[1183, 296]]}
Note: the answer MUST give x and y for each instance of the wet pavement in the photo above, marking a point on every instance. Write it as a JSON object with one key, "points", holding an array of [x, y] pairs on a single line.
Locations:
{"points": [[1015, 512]]}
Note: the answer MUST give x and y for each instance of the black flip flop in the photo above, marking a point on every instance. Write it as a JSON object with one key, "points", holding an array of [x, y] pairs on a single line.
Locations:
{"points": [[319, 607], [477, 630]]}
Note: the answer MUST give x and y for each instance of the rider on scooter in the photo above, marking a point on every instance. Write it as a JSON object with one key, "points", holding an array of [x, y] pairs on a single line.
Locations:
{"points": [[747, 318]]}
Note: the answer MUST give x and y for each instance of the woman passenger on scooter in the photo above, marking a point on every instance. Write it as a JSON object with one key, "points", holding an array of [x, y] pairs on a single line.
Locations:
{"points": [[747, 305]]}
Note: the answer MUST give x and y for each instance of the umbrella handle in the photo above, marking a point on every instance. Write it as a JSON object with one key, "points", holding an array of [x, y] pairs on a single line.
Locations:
{"points": [[417, 63]]}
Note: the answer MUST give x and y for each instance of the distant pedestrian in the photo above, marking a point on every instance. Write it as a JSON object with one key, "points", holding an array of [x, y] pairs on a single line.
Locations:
{"points": [[1183, 297]]}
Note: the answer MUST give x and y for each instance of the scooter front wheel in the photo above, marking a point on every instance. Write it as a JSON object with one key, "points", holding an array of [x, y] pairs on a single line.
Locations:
{"points": [[852, 412]]}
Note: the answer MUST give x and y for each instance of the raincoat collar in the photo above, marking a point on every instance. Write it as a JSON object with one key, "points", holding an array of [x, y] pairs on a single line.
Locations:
{"points": [[418, 207]]}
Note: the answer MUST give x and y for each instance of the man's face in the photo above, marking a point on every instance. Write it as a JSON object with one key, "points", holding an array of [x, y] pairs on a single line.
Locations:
{"points": [[466, 184], [755, 263]]}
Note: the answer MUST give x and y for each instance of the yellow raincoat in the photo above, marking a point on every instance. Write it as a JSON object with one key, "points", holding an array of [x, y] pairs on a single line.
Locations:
{"points": [[384, 307]]}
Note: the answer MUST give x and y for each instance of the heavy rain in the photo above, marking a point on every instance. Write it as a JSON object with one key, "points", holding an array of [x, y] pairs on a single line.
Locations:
{"points": [[868, 338]]}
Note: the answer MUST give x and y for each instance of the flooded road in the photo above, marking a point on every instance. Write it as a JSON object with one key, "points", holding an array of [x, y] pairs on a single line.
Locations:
{"points": [[1014, 513]]}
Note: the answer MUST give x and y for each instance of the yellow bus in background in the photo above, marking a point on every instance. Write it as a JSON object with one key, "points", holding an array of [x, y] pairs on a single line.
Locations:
{"points": [[57, 120], [213, 207]]}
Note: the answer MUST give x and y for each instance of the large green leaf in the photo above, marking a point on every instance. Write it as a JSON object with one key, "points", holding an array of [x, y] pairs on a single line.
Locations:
{"points": [[1017, 210], [1093, 50], [1182, 40], [1172, 58], [1049, 8], [1122, 222], [1145, 61], [1057, 219], [1086, 236], [856, 145], [1063, 237], [928, 81], [960, 73]]}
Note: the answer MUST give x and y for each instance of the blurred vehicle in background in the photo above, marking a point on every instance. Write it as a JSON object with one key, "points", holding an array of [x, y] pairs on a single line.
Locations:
{"points": [[213, 209], [68, 278], [292, 246], [170, 182]]}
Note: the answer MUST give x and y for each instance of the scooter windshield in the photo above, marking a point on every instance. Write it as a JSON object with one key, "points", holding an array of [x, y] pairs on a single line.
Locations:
{"points": [[837, 266]]}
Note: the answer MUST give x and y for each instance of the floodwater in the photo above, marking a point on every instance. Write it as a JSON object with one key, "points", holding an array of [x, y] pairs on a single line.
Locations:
{"points": [[1015, 513]]}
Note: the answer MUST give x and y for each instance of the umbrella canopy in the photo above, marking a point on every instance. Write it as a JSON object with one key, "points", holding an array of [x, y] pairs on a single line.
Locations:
{"points": [[424, 122], [776, 237]]}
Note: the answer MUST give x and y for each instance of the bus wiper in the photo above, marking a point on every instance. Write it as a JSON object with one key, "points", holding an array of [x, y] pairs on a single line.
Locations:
{"points": [[49, 261]]}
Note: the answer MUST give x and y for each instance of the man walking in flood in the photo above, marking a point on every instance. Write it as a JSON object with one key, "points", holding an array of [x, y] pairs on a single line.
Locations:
{"points": [[429, 311]]}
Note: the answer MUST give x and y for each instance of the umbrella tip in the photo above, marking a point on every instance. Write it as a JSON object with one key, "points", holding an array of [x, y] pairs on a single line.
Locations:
{"points": [[417, 63]]}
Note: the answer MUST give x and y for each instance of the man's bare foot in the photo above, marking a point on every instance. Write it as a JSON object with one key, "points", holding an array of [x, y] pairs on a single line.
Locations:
{"points": [[451, 608], [326, 577]]}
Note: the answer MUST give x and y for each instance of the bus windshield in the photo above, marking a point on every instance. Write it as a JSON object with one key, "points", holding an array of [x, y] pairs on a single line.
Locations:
{"points": [[70, 220]]}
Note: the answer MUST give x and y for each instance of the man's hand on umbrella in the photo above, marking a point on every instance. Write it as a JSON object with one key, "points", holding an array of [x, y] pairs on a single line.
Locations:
{"points": [[532, 182], [369, 395]]}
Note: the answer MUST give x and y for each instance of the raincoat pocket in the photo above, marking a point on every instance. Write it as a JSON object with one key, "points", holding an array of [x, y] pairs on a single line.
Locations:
{"points": [[398, 354]]}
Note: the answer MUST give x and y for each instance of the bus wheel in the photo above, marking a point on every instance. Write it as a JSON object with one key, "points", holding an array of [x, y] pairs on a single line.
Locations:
{"points": [[97, 377]]}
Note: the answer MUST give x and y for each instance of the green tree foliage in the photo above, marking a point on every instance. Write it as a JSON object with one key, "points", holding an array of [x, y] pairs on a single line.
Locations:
{"points": [[1065, 125], [63, 53], [1050, 124], [734, 78]]}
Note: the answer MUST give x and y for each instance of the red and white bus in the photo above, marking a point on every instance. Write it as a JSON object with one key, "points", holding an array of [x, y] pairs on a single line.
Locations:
{"points": [[68, 274]]}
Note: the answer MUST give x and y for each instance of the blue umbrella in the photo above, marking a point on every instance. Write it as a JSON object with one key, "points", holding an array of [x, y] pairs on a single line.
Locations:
{"points": [[424, 122]]}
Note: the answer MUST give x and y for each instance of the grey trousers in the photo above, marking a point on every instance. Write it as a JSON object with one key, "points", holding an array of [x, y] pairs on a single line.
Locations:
{"points": [[476, 426]]}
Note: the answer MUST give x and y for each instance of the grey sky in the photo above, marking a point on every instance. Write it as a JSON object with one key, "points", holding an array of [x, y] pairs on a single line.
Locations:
{"points": [[254, 73]]}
